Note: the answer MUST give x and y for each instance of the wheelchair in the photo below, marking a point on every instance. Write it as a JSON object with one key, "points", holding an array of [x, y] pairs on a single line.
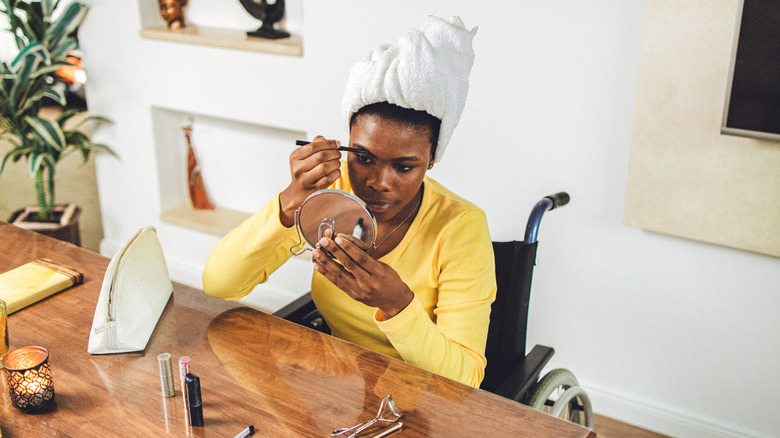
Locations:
{"points": [[510, 372]]}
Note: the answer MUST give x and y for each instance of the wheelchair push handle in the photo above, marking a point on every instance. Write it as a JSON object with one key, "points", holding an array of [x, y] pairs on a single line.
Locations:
{"points": [[550, 202], [558, 199]]}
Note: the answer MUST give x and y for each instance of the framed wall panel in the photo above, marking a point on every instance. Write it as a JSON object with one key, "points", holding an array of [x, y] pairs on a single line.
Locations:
{"points": [[685, 178]]}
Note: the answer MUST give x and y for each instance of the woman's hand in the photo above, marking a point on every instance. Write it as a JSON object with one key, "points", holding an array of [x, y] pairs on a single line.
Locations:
{"points": [[313, 167], [369, 281]]}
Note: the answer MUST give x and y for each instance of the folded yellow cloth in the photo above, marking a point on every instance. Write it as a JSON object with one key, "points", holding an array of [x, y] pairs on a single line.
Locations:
{"points": [[35, 281]]}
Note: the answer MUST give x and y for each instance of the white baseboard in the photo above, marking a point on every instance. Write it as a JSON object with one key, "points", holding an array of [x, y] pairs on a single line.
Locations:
{"points": [[627, 409]]}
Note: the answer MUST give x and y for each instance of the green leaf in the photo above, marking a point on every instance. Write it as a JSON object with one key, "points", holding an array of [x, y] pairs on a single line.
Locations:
{"points": [[35, 49], [51, 166], [20, 150], [44, 160], [97, 119], [66, 23], [35, 163], [79, 141], [17, 147], [25, 34], [32, 23], [76, 138], [22, 84], [86, 148], [103, 147], [47, 131], [5, 159], [47, 69], [56, 95], [47, 7], [7, 6], [65, 116], [64, 48]]}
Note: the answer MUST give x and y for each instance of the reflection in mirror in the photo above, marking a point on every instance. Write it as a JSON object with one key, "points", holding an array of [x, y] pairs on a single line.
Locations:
{"points": [[330, 212]]}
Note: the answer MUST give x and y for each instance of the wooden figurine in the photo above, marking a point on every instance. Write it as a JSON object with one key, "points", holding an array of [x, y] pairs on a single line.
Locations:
{"points": [[173, 12], [198, 195]]}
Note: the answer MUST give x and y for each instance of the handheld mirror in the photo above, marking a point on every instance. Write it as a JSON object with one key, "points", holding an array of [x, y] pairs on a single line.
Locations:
{"points": [[330, 212]]}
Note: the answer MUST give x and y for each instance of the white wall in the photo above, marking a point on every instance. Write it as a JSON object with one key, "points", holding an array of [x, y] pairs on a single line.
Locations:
{"points": [[670, 334]]}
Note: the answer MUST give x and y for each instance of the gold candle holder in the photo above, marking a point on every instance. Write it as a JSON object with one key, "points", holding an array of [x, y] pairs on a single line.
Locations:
{"points": [[29, 378], [3, 331]]}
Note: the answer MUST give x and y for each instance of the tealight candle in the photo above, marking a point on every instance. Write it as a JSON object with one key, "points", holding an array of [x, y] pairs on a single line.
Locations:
{"points": [[29, 378]]}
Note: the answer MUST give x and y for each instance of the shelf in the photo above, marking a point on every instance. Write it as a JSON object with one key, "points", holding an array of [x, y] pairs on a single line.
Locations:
{"points": [[217, 222], [225, 38]]}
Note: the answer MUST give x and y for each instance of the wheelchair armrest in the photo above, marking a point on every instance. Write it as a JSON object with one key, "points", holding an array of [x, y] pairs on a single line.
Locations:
{"points": [[526, 374], [297, 309]]}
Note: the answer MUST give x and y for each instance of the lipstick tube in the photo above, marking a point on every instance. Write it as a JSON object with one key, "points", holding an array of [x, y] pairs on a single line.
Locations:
{"points": [[184, 368], [194, 401], [166, 374]]}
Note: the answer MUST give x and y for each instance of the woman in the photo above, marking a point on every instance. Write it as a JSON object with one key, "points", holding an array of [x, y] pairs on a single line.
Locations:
{"points": [[423, 292]]}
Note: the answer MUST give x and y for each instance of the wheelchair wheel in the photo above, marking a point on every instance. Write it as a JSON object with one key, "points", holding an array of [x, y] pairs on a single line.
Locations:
{"points": [[558, 394]]}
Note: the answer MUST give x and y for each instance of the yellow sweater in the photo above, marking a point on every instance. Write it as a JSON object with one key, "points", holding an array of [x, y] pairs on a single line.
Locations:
{"points": [[446, 259]]}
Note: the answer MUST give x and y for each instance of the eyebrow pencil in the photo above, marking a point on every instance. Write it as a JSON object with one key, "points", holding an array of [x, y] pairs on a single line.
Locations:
{"points": [[341, 148]]}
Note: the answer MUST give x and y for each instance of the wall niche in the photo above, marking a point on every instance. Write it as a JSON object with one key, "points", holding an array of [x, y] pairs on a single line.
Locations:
{"points": [[243, 166]]}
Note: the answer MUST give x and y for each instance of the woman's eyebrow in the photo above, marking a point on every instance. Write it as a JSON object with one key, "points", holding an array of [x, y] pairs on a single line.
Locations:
{"points": [[362, 150], [410, 158]]}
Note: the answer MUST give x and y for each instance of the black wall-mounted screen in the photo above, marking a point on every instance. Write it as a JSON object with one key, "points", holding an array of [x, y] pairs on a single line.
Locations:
{"points": [[753, 98]]}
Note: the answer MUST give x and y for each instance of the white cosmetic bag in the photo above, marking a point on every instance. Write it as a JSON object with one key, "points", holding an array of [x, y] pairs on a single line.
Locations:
{"points": [[135, 290]]}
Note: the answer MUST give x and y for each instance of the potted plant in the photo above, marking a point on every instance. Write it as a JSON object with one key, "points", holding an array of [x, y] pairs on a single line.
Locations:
{"points": [[45, 38]]}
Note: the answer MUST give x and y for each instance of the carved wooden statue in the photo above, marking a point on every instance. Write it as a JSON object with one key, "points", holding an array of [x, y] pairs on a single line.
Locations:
{"points": [[198, 195], [173, 12]]}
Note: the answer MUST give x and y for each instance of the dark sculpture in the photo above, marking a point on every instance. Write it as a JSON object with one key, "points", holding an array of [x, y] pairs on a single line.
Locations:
{"points": [[268, 14]]}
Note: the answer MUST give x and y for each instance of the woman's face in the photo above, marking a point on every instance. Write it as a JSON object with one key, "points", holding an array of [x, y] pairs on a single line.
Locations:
{"points": [[389, 175]]}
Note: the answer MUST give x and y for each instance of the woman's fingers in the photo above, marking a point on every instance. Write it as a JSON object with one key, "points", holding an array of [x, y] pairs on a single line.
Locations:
{"points": [[342, 264], [313, 167], [361, 277], [355, 241], [321, 176], [353, 258], [319, 150], [334, 272], [316, 165]]}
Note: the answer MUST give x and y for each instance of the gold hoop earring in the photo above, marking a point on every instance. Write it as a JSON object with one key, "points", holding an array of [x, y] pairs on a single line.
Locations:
{"points": [[430, 166]]}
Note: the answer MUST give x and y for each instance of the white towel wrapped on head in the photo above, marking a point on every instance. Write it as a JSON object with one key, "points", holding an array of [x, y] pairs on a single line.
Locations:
{"points": [[427, 69]]}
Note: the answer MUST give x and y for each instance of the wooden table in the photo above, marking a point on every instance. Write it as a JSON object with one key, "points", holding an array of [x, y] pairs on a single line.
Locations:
{"points": [[256, 369]]}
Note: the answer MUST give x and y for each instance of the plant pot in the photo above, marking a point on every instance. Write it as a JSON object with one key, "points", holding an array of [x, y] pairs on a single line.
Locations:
{"points": [[64, 226]]}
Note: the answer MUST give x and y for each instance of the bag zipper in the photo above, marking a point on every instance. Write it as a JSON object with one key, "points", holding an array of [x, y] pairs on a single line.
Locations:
{"points": [[110, 315]]}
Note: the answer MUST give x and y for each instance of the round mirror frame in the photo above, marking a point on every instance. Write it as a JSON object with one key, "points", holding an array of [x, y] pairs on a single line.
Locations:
{"points": [[329, 222]]}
